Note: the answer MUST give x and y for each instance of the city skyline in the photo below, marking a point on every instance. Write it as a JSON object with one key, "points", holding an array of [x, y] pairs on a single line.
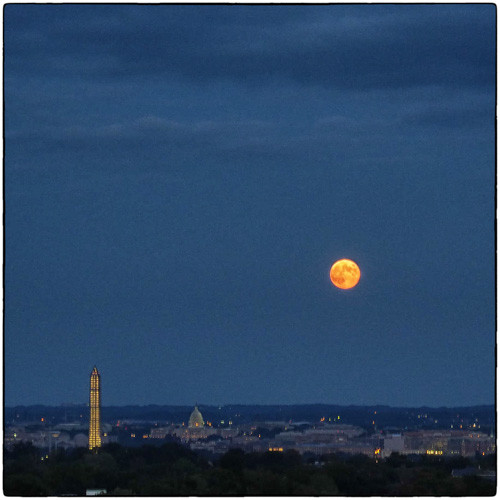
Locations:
{"points": [[179, 180]]}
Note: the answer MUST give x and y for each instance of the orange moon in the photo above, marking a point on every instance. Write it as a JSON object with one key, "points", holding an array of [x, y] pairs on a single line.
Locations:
{"points": [[345, 274]]}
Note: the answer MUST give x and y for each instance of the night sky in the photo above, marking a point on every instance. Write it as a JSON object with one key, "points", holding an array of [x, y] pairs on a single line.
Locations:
{"points": [[180, 179]]}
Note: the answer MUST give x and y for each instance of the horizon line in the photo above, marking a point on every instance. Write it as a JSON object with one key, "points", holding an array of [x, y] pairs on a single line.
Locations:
{"points": [[252, 404]]}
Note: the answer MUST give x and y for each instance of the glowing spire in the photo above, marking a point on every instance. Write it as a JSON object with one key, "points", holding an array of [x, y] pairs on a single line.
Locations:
{"points": [[95, 410]]}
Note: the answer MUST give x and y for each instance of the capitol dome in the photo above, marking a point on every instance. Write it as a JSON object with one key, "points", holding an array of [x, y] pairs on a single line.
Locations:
{"points": [[196, 419]]}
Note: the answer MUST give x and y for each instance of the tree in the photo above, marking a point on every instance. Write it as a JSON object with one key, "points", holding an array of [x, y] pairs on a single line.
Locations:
{"points": [[24, 485], [234, 460]]}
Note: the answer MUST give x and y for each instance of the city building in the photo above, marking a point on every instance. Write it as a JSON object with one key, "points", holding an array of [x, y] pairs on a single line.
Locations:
{"points": [[393, 443], [95, 492], [440, 442], [196, 419], [195, 430], [95, 410], [161, 432]]}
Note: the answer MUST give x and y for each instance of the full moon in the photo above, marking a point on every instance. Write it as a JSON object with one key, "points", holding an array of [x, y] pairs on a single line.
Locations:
{"points": [[345, 274]]}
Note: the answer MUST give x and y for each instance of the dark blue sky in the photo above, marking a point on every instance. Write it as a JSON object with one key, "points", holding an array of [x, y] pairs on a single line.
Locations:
{"points": [[179, 180]]}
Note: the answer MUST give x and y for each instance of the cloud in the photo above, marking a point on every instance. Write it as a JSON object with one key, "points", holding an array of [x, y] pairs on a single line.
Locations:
{"points": [[242, 85], [145, 137], [343, 47], [443, 116]]}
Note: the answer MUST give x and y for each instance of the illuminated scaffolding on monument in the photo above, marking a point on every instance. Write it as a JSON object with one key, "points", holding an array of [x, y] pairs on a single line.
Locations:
{"points": [[95, 410]]}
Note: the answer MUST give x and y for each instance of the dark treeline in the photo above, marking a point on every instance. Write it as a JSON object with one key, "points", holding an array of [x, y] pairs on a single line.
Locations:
{"points": [[174, 470], [410, 418]]}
